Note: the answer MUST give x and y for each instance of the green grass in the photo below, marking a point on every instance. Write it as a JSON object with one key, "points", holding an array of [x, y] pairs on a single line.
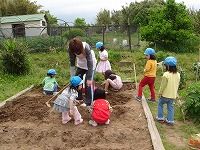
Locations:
{"points": [[40, 63]]}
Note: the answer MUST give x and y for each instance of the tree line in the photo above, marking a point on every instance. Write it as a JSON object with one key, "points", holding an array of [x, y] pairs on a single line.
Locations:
{"points": [[166, 24]]}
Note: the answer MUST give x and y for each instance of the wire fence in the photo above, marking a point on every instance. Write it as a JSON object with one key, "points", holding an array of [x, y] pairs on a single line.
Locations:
{"points": [[44, 39]]}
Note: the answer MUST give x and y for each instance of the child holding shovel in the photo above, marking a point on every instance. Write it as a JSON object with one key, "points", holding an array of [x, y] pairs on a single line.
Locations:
{"points": [[168, 91], [66, 101]]}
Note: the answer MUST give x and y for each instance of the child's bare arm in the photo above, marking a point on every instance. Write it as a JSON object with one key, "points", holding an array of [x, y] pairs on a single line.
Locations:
{"points": [[71, 107], [109, 107]]}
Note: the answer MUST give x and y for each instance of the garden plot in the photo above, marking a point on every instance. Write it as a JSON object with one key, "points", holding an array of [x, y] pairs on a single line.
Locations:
{"points": [[27, 123]]}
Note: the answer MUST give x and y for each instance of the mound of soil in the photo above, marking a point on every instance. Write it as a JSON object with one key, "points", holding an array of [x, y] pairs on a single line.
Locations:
{"points": [[27, 123]]}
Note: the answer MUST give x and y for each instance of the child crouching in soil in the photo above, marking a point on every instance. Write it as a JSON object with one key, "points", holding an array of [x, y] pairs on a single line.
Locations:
{"points": [[100, 108], [113, 80], [66, 101]]}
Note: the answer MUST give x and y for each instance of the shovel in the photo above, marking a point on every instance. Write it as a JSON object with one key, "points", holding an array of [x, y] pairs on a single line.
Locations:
{"points": [[47, 103]]}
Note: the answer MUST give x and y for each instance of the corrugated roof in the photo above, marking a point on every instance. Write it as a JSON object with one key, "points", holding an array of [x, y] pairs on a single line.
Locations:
{"points": [[21, 18]]}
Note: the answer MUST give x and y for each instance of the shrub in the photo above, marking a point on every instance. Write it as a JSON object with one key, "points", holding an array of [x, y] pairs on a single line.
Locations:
{"points": [[191, 106], [114, 56], [182, 78], [72, 33], [14, 58]]}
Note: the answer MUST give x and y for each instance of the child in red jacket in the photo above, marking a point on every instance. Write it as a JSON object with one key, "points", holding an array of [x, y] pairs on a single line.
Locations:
{"points": [[100, 108]]}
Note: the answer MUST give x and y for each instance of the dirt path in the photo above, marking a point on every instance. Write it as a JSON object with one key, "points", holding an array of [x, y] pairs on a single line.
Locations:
{"points": [[27, 123]]}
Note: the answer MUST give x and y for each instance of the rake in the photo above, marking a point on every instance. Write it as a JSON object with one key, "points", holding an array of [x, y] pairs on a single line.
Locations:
{"points": [[47, 103]]}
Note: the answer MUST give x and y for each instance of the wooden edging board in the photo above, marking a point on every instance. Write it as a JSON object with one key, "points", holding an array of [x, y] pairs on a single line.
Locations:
{"points": [[15, 96], [155, 136]]}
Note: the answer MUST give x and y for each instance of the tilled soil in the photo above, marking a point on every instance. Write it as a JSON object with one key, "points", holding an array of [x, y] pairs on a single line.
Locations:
{"points": [[27, 123]]}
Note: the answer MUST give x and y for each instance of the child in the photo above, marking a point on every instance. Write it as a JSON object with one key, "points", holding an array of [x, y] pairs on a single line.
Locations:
{"points": [[49, 82], [113, 80], [103, 64], [65, 102], [100, 109], [149, 75], [168, 91]]}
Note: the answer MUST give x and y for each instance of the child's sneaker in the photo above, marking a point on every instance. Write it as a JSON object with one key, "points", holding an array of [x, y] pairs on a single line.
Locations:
{"points": [[93, 123], [138, 98], [108, 121], [151, 100], [78, 121], [83, 105], [67, 120], [44, 93]]}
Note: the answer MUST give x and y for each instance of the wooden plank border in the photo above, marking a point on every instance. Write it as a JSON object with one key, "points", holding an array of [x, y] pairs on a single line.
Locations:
{"points": [[155, 136], [16, 95]]}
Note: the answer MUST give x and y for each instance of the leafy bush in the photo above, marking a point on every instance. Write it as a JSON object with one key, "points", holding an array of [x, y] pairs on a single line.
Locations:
{"points": [[196, 67], [72, 33], [191, 106], [14, 58], [44, 44], [114, 56], [160, 56], [182, 79]]}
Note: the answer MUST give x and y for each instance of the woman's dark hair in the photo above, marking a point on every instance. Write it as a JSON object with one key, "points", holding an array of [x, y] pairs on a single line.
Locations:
{"points": [[76, 46], [152, 57], [102, 48], [99, 93], [172, 69], [108, 74]]}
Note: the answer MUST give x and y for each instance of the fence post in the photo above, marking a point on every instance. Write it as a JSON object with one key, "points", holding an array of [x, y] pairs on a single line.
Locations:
{"points": [[103, 34], [129, 34]]}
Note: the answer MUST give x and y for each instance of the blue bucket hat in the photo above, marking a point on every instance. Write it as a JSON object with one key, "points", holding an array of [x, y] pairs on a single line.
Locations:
{"points": [[170, 61], [76, 80], [51, 71], [149, 51], [99, 44]]}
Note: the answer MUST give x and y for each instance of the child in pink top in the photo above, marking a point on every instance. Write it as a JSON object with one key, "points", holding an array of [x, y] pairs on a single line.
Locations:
{"points": [[113, 80]]}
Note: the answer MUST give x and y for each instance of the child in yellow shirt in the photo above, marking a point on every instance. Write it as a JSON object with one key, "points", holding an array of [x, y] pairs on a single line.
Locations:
{"points": [[168, 91], [149, 75]]}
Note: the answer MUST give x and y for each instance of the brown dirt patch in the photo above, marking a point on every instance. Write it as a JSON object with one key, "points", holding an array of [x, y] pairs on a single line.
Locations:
{"points": [[27, 123]]}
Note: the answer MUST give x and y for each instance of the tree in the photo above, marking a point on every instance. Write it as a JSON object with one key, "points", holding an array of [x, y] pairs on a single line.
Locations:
{"points": [[80, 22], [195, 15], [51, 19], [170, 27], [103, 17]]}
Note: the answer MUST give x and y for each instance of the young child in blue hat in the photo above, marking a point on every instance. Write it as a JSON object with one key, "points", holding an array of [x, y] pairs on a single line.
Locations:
{"points": [[104, 63], [66, 101], [49, 82], [168, 91], [149, 75]]}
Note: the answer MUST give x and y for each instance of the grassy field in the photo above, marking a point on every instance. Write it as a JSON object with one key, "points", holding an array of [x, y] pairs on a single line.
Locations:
{"points": [[40, 63]]}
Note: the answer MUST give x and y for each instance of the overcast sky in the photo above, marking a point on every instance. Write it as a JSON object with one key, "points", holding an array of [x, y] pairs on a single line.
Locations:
{"points": [[70, 10]]}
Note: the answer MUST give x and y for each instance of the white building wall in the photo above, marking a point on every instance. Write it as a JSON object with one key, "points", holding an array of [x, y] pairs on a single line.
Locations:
{"points": [[32, 28]]}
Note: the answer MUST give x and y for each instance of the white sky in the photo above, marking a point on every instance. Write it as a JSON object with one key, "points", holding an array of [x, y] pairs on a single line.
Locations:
{"points": [[70, 10]]}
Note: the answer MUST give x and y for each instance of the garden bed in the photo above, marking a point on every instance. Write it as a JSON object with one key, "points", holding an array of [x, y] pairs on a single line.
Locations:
{"points": [[27, 123]]}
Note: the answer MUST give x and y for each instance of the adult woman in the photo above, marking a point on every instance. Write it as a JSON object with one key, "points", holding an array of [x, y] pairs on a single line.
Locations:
{"points": [[86, 63]]}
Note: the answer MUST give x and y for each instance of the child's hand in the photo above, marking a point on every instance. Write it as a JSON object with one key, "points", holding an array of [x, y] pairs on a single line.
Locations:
{"points": [[110, 109], [77, 102], [71, 111]]}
